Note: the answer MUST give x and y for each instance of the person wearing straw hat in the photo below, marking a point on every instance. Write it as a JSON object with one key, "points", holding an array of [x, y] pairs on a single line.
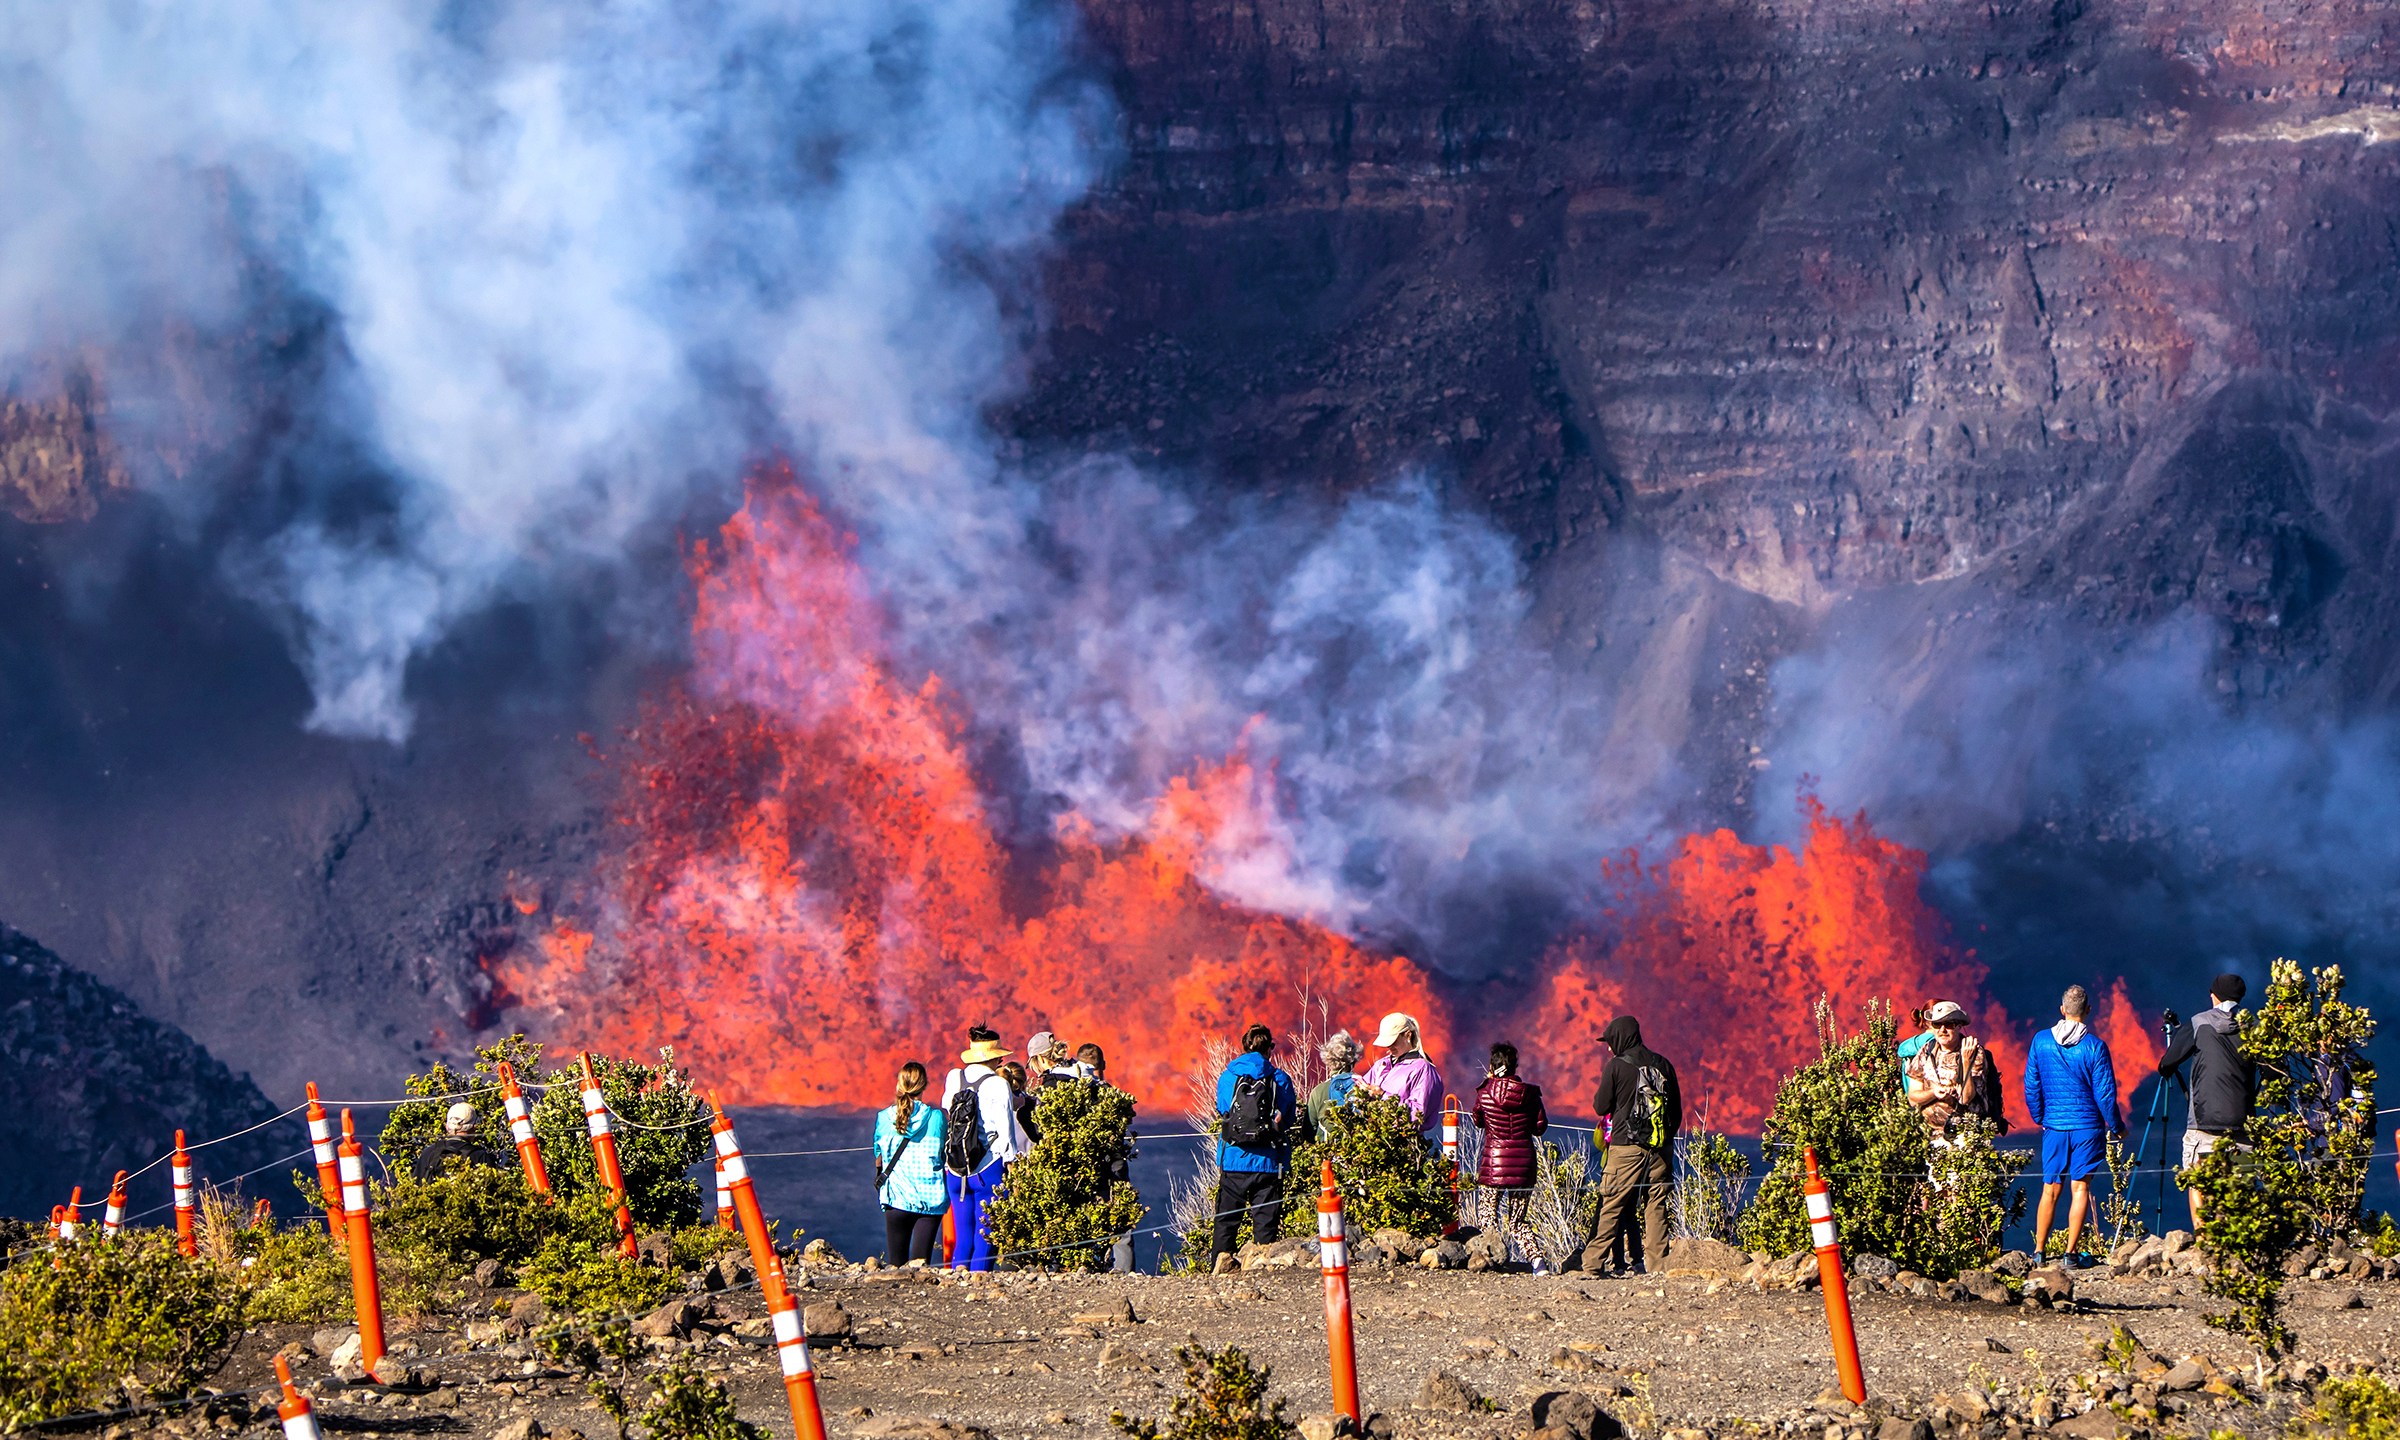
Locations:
{"points": [[980, 1140], [1940, 1078]]}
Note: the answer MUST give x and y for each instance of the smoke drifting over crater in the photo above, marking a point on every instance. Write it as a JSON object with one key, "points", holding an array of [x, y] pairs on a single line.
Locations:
{"points": [[1387, 526]]}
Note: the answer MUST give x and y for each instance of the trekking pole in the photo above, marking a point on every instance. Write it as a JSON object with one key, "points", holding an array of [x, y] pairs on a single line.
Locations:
{"points": [[329, 1169], [113, 1218], [520, 1130], [2167, 1034], [604, 1154], [295, 1412], [180, 1170], [1333, 1253], [1830, 1278], [366, 1291]]}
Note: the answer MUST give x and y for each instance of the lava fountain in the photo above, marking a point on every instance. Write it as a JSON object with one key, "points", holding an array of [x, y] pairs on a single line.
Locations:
{"points": [[809, 888]]}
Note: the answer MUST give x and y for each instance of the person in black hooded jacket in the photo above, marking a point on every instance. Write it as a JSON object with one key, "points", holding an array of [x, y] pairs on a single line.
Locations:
{"points": [[1641, 1108], [2224, 1082]]}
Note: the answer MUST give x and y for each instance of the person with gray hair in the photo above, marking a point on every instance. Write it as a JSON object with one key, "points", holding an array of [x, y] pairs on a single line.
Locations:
{"points": [[1341, 1053], [2071, 1092]]}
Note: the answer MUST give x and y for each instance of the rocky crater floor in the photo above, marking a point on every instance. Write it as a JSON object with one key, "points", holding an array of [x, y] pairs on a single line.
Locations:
{"points": [[1722, 1344]]}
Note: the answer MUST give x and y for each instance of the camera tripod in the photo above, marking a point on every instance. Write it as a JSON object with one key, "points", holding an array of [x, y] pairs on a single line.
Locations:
{"points": [[2158, 1117]]}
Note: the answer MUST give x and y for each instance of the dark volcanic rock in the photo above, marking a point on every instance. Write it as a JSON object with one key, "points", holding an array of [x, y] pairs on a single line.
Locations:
{"points": [[94, 1086]]}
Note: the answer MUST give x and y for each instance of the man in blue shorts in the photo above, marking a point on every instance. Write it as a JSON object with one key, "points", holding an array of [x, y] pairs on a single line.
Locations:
{"points": [[2071, 1092]]}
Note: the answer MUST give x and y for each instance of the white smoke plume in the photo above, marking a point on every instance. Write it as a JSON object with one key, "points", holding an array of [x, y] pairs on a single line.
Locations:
{"points": [[574, 258]]}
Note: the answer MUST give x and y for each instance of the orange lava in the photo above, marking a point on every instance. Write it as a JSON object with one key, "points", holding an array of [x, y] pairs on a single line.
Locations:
{"points": [[810, 890]]}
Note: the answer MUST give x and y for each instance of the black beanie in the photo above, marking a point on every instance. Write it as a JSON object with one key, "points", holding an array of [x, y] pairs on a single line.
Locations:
{"points": [[2228, 987]]}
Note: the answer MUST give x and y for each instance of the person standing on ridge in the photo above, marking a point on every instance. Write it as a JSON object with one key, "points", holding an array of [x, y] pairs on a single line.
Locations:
{"points": [[908, 1170], [457, 1143], [980, 1140], [1640, 1105], [1255, 1104], [1509, 1113], [2071, 1092], [2224, 1083], [1341, 1053], [1091, 1064], [1405, 1073]]}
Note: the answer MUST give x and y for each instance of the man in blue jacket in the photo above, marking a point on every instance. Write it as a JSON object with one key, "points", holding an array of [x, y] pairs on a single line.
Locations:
{"points": [[1255, 1106], [2071, 1092]]}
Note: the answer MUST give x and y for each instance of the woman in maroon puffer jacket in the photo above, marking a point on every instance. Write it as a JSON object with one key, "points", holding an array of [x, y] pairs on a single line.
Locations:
{"points": [[1509, 1112]]}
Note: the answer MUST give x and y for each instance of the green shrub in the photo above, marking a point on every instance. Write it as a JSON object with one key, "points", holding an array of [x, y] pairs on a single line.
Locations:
{"points": [[1390, 1179], [573, 1276], [2301, 1168], [1873, 1151], [469, 1215], [1060, 1208], [661, 1132], [1710, 1176], [1225, 1398], [686, 1405], [111, 1322], [298, 1276], [2363, 1406]]}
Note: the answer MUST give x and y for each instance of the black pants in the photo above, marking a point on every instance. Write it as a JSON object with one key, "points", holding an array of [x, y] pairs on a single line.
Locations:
{"points": [[909, 1236], [1260, 1192]]}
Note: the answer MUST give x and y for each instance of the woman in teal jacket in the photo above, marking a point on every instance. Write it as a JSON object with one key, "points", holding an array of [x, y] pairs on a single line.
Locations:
{"points": [[908, 1169]]}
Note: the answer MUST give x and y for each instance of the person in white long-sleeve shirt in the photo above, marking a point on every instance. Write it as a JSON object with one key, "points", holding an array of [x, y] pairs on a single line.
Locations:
{"points": [[1003, 1142]]}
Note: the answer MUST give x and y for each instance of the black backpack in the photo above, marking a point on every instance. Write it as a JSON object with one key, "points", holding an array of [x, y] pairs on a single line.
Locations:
{"points": [[1649, 1108], [964, 1145], [1250, 1120], [1984, 1095]]}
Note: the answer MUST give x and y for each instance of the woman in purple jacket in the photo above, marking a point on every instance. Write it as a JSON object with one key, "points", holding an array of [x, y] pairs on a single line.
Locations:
{"points": [[1509, 1113]]}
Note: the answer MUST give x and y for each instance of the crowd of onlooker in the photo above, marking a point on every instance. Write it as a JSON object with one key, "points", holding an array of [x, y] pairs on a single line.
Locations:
{"points": [[939, 1166]]}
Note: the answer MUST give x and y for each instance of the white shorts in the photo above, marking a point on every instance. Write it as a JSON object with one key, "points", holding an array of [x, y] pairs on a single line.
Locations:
{"points": [[2197, 1143]]}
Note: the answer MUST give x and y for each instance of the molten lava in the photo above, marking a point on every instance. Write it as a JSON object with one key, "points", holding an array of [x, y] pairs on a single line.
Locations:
{"points": [[810, 889]]}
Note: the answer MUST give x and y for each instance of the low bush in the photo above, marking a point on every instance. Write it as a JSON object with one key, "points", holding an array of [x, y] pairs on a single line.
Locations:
{"points": [[109, 1323], [2361, 1406], [662, 1128], [1063, 1206], [574, 1276], [1891, 1195], [685, 1404], [1710, 1178], [469, 1215], [1390, 1179], [298, 1276], [1225, 1398]]}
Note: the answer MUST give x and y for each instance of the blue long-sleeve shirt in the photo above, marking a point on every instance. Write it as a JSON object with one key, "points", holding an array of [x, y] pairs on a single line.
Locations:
{"points": [[1241, 1159], [2069, 1082]]}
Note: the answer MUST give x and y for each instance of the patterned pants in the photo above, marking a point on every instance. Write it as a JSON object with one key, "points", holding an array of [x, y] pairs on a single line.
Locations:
{"points": [[1509, 1215]]}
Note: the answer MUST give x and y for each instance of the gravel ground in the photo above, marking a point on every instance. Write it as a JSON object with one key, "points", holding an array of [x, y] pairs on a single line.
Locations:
{"points": [[1035, 1355]]}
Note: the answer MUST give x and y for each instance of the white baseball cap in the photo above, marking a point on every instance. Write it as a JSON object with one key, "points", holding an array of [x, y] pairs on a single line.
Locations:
{"points": [[1393, 1024], [461, 1117]]}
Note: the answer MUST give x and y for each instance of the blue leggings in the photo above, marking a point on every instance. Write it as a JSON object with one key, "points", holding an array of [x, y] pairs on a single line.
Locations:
{"points": [[969, 1194]]}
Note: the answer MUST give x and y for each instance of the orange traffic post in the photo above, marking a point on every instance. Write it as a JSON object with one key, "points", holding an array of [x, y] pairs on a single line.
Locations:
{"points": [[520, 1130], [1333, 1253], [329, 1170], [72, 1219], [299, 1423], [799, 1376], [366, 1292], [181, 1170], [1450, 1153], [261, 1213], [604, 1154], [949, 1236], [745, 1205], [113, 1218], [725, 1215], [58, 1221], [1831, 1280]]}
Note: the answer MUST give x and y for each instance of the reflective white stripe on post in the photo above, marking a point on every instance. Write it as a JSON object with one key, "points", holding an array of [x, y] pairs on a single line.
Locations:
{"points": [[1820, 1234], [354, 1186], [302, 1426], [790, 1344], [727, 1146], [183, 1186], [320, 1139], [1820, 1206], [595, 1112], [735, 1171], [115, 1218], [66, 1229], [520, 1126]]}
